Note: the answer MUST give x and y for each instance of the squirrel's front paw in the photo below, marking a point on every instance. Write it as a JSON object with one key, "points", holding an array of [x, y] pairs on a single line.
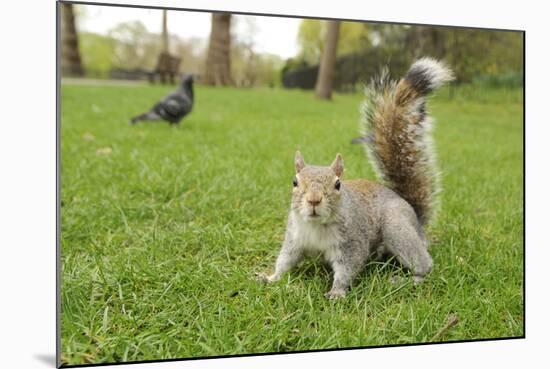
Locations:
{"points": [[261, 277], [417, 279], [264, 277], [335, 294]]}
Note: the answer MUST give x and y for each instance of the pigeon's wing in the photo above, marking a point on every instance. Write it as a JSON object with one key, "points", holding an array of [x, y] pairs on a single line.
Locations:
{"points": [[173, 107]]}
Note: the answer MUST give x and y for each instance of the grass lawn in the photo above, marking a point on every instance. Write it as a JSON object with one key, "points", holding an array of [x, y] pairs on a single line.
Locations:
{"points": [[163, 227]]}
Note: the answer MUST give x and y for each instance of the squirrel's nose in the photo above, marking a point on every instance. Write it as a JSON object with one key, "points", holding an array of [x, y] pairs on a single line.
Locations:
{"points": [[314, 201]]}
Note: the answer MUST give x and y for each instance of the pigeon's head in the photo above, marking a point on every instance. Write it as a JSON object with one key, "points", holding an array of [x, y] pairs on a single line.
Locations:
{"points": [[187, 79]]}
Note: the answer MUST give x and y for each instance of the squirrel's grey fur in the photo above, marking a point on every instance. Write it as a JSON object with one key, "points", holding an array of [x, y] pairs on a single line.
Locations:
{"points": [[351, 222]]}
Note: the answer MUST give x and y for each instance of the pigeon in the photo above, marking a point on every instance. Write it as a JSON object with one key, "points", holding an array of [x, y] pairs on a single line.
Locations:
{"points": [[173, 107]]}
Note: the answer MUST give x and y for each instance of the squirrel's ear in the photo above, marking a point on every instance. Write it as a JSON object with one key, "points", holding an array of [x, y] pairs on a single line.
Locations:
{"points": [[299, 163], [338, 165]]}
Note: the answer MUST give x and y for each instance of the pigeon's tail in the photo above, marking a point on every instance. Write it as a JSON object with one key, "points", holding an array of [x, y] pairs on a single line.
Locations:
{"points": [[150, 115]]}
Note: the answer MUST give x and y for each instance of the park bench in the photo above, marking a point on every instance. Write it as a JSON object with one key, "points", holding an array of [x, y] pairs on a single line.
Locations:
{"points": [[167, 68]]}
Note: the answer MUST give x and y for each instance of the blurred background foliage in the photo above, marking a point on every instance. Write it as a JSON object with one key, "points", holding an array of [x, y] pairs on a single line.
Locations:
{"points": [[478, 56]]}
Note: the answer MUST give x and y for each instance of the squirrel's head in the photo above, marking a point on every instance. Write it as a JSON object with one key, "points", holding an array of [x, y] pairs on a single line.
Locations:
{"points": [[316, 192]]}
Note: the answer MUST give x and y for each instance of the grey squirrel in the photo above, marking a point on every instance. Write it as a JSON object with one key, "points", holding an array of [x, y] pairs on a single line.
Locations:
{"points": [[351, 222]]}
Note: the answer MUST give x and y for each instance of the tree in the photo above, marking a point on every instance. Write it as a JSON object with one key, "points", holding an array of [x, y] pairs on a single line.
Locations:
{"points": [[323, 87], [218, 60], [71, 63], [353, 37], [192, 50], [97, 53], [135, 47], [165, 44], [310, 40]]}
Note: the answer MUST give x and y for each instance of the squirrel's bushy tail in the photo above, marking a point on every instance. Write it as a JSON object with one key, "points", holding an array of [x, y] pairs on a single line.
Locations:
{"points": [[397, 133]]}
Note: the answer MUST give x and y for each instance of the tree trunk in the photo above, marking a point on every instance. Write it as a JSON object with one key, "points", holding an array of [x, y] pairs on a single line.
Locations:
{"points": [[165, 45], [71, 63], [323, 88], [218, 63]]}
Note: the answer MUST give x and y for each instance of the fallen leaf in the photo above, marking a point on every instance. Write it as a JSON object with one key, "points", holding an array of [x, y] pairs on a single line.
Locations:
{"points": [[104, 151], [88, 136]]}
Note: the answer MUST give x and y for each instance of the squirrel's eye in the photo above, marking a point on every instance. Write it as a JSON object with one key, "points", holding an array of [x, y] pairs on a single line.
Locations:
{"points": [[295, 182], [337, 184]]}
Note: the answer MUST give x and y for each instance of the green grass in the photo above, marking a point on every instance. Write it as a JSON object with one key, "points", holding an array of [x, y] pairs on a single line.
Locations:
{"points": [[161, 234]]}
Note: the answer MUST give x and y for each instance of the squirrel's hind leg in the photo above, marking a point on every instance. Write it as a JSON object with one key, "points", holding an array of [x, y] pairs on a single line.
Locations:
{"points": [[404, 238]]}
